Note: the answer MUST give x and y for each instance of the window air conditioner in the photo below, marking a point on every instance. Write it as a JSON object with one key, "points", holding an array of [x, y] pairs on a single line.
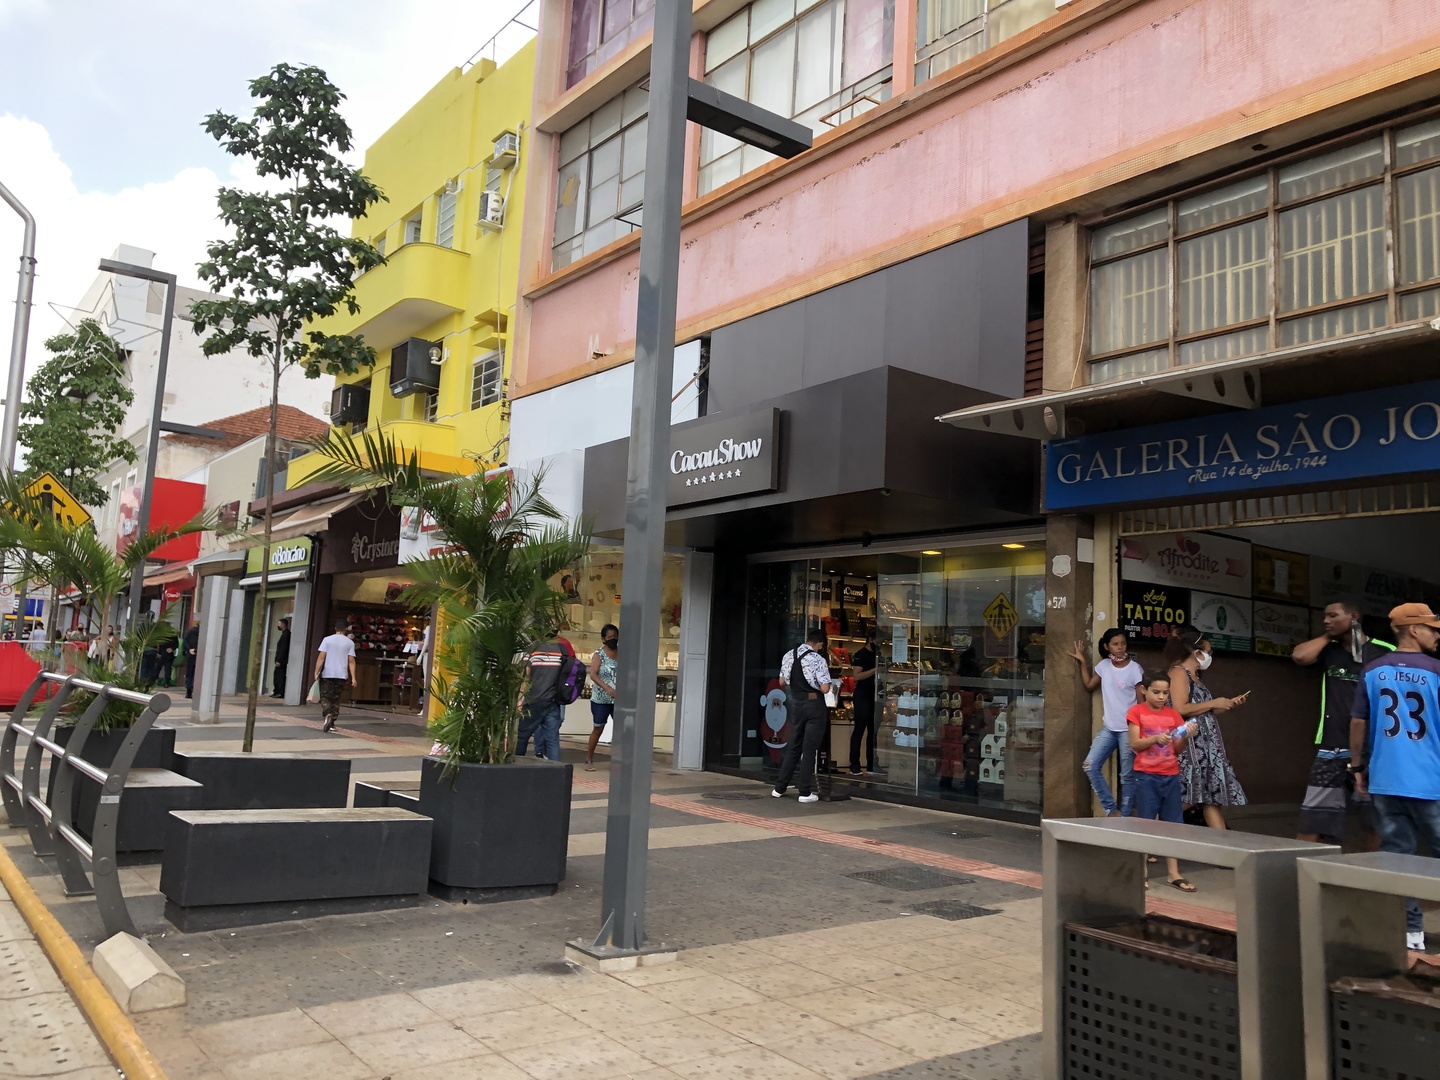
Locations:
{"points": [[492, 210], [350, 404], [507, 150]]}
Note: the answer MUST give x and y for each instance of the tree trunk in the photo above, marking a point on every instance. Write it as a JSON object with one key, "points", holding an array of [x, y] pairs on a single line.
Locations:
{"points": [[262, 598]]}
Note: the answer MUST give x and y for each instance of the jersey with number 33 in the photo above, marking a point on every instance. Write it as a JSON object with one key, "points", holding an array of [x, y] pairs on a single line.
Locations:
{"points": [[1401, 702]]}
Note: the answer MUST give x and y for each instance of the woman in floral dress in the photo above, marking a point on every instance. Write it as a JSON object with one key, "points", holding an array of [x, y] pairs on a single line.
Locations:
{"points": [[1206, 778]]}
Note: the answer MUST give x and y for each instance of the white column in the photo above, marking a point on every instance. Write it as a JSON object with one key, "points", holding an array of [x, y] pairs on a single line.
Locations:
{"points": [[210, 652], [297, 680], [694, 661], [234, 626]]}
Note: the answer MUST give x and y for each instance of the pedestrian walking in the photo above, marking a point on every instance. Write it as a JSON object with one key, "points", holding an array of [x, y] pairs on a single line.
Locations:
{"points": [[1206, 778], [543, 711], [1156, 732], [333, 668], [863, 665], [805, 674], [1395, 743], [191, 647], [282, 659], [1118, 677], [604, 666], [167, 648], [1341, 652]]}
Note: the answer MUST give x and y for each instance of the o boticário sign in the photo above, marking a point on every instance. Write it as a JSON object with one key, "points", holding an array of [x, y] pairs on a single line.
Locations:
{"points": [[724, 457], [284, 555], [1378, 433]]}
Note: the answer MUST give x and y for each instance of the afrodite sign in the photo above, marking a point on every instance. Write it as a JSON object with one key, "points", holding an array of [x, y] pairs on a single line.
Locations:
{"points": [[1378, 433], [723, 457]]}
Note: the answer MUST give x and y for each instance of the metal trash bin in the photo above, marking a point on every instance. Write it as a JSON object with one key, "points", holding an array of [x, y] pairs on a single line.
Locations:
{"points": [[1385, 1027], [1138, 996], [1152, 997]]}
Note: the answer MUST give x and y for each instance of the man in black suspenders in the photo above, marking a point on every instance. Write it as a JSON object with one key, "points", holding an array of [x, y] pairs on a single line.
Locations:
{"points": [[806, 675]]}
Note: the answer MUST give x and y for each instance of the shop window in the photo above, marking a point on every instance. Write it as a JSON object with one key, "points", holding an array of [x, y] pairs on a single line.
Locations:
{"points": [[445, 217], [818, 63], [1191, 281], [602, 177], [487, 382], [600, 30], [948, 32]]}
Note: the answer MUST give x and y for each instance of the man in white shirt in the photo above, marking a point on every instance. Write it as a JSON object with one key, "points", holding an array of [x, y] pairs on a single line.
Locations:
{"points": [[334, 666], [806, 675]]}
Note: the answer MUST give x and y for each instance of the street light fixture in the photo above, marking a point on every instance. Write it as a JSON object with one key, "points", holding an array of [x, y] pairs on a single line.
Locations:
{"points": [[152, 439], [674, 97]]}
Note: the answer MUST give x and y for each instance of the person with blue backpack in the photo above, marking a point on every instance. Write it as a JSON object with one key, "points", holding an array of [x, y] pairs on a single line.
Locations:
{"points": [[553, 679]]}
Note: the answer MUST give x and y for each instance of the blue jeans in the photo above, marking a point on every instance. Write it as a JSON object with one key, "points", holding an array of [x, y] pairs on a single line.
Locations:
{"points": [[1158, 797], [1106, 742], [542, 721], [1400, 821]]}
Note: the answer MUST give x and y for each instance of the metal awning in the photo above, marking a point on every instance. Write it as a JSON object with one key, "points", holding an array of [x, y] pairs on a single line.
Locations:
{"points": [[302, 522], [218, 562], [168, 574], [1235, 383]]}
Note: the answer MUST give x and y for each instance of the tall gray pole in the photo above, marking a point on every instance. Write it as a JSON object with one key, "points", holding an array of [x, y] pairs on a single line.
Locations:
{"points": [[15, 386], [627, 832], [152, 439]]}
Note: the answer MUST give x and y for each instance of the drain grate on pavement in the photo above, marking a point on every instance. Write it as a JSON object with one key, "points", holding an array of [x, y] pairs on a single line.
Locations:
{"points": [[732, 796], [952, 910], [911, 878]]}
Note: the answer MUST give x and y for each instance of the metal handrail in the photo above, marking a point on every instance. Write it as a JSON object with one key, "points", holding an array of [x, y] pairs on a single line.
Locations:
{"points": [[52, 821]]}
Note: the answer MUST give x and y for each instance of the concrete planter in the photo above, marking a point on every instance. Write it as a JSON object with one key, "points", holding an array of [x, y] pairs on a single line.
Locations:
{"points": [[501, 831], [266, 781]]}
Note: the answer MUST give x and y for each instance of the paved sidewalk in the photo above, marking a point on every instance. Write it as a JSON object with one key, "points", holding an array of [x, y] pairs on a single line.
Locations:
{"points": [[836, 940]]}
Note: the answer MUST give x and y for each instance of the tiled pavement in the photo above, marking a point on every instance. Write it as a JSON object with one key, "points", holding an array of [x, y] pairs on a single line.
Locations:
{"points": [[805, 951]]}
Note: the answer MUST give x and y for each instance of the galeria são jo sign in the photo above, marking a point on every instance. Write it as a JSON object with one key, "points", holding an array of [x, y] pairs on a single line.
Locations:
{"points": [[1386, 432]]}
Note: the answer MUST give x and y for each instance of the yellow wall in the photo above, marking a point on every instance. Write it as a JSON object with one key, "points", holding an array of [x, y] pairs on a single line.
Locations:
{"points": [[462, 296]]}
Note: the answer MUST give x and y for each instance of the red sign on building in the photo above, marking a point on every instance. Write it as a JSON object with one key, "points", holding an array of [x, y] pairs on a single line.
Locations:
{"points": [[173, 503]]}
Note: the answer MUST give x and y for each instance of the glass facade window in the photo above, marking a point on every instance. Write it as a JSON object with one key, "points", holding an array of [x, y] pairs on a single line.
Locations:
{"points": [[821, 63], [958, 693], [602, 178], [600, 30], [1292, 255], [948, 32]]}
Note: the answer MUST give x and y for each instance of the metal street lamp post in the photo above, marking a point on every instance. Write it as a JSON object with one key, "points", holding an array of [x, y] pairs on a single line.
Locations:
{"points": [[15, 387], [152, 446], [674, 98]]}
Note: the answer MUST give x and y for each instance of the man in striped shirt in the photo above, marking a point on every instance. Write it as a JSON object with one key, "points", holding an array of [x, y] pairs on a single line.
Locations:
{"points": [[805, 673]]}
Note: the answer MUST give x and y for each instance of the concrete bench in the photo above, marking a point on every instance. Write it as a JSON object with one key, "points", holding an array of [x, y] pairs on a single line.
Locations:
{"points": [[266, 781], [150, 795], [226, 868], [367, 794]]}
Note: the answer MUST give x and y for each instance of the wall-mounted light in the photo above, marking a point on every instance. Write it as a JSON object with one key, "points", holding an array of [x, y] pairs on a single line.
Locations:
{"points": [[436, 355]]}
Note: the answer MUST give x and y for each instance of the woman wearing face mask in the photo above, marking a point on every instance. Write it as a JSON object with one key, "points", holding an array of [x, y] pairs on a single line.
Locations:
{"points": [[603, 666], [1206, 778]]}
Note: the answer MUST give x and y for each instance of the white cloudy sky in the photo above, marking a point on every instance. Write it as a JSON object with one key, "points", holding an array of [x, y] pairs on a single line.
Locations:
{"points": [[101, 104]]}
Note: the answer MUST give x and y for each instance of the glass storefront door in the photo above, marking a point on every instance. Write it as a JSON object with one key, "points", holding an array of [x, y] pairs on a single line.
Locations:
{"points": [[960, 653]]}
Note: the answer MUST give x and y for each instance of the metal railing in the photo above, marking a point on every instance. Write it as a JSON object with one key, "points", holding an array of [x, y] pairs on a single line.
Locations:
{"points": [[50, 822]]}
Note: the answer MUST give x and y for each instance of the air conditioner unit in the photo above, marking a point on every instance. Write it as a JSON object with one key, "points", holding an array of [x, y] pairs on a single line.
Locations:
{"points": [[492, 210], [411, 369], [507, 150], [350, 404]]}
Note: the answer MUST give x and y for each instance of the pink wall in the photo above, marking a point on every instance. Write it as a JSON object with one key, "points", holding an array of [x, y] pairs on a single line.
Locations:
{"points": [[1079, 116]]}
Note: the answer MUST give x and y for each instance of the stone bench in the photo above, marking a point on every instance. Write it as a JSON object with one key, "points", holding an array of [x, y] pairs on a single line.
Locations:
{"points": [[265, 781], [225, 868], [367, 794], [150, 795]]}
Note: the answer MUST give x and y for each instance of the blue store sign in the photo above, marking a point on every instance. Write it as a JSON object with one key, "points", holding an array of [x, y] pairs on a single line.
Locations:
{"points": [[1378, 433]]}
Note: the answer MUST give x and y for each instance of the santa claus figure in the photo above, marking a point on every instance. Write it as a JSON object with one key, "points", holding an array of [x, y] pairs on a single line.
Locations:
{"points": [[775, 722]]}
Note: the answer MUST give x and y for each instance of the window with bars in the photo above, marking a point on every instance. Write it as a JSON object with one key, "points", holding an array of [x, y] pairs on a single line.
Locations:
{"points": [[820, 63], [445, 218], [600, 30], [1292, 255], [602, 178], [948, 32], [432, 405], [412, 229], [487, 384]]}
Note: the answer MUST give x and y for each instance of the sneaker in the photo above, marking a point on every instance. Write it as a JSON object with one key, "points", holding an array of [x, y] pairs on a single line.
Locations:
{"points": [[812, 797], [776, 793], [854, 771], [329, 725], [1414, 939]]}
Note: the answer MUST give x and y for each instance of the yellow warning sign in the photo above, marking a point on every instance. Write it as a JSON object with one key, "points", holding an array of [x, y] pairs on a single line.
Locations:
{"points": [[1001, 616], [57, 501]]}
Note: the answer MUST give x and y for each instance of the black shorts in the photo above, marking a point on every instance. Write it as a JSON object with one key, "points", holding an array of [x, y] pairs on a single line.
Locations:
{"points": [[1329, 798]]}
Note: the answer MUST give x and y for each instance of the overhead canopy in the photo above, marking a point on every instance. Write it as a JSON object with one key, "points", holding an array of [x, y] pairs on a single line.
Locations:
{"points": [[218, 562], [1235, 383], [168, 574], [302, 522]]}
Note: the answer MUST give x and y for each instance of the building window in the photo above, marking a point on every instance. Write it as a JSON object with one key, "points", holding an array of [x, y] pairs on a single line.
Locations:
{"points": [[487, 383], [600, 30], [445, 218], [819, 63], [602, 177], [432, 405], [1288, 256], [949, 32], [380, 245], [412, 228]]}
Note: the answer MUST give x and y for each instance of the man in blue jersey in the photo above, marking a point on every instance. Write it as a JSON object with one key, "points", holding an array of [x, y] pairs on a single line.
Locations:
{"points": [[1395, 742]]}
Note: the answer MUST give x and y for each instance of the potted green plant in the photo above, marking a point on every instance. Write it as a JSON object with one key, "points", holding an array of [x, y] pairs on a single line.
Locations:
{"points": [[501, 826]]}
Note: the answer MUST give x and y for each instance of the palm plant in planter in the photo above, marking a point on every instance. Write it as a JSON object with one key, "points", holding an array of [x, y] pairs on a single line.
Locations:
{"points": [[501, 827]]}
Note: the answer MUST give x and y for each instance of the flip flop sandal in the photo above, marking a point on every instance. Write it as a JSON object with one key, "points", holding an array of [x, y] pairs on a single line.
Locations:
{"points": [[1182, 885]]}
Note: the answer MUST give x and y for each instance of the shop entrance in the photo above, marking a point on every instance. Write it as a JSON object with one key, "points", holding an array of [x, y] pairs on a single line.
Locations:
{"points": [[959, 646], [388, 636]]}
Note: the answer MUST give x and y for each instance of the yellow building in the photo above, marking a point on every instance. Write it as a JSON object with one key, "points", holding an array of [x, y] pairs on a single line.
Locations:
{"points": [[439, 312]]}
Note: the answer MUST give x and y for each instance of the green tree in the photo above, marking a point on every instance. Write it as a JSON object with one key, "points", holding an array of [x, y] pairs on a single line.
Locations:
{"points": [[284, 265], [77, 401], [491, 588]]}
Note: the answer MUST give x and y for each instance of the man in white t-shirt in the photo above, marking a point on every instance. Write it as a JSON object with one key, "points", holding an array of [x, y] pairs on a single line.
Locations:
{"points": [[1118, 676], [333, 668]]}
